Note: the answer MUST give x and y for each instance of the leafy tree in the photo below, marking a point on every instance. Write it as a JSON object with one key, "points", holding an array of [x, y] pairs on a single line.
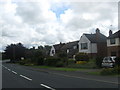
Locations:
{"points": [[15, 51]]}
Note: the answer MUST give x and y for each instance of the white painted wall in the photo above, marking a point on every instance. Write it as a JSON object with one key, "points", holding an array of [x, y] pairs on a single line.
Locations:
{"points": [[92, 47], [52, 49], [117, 42]]}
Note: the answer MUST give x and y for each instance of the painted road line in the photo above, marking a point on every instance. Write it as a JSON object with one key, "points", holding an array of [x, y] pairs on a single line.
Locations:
{"points": [[8, 69], [4, 67], [14, 72], [26, 77], [47, 87], [87, 78]]}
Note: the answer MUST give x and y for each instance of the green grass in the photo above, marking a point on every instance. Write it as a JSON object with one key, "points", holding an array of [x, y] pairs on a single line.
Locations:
{"points": [[94, 73], [59, 68]]}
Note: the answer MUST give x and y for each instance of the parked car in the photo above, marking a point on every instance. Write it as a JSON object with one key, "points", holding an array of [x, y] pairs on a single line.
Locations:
{"points": [[108, 61]]}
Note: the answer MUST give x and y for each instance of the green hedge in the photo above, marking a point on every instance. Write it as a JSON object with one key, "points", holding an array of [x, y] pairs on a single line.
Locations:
{"points": [[81, 57], [54, 61], [110, 71]]}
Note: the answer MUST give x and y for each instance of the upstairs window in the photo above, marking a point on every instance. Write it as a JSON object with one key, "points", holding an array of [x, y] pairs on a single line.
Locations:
{"points": [[74, 47], [84, 46], [53, 52], [112, 41]]}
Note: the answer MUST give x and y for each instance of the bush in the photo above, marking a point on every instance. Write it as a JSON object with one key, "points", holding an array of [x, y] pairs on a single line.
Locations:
{"points": [[81, 57], [107, 71], [25, 61], [54, 61], [110, 71], [71, 61], [117, 61], [99, 61], [81, 62]]}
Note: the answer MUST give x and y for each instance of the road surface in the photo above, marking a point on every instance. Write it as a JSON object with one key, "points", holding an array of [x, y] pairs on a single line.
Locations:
{"points": [[17, 76]]}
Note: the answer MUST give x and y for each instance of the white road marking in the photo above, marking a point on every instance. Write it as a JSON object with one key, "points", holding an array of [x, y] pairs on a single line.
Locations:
{"points": [[14, 72], [4, 67], [47, 87], [8, 69], [26, 77]]}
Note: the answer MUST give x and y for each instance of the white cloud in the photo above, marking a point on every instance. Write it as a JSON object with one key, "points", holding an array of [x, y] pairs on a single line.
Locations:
{"points": [[35, 23]]}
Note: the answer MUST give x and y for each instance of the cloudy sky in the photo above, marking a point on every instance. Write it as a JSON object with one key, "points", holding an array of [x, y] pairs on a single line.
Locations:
{"points": [[48, 22]]}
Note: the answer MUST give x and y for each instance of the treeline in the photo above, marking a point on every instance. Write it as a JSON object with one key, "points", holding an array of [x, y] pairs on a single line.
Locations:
{"points": [[17, 52]]}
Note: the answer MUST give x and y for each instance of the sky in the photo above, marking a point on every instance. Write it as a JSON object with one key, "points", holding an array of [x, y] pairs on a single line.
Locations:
{"points": [[48, 22]]}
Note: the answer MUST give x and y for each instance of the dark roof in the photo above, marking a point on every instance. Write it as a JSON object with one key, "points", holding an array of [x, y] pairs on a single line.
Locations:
{"points": [[115, 35], [58, 46], [69, 45], [97, 37]]}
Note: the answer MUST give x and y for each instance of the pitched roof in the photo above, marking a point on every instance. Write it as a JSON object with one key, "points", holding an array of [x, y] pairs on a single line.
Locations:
{"points": [[58, 46], [94, 38], [115, 35], [69, 45]]}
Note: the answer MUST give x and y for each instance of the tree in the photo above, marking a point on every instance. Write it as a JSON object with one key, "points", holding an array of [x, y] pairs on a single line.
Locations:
{"points": [[15, 51]]}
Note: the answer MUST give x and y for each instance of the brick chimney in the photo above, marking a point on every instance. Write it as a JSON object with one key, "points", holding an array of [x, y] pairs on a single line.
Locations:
{"points": [[110, 32], [97, 34], [97, 31]]}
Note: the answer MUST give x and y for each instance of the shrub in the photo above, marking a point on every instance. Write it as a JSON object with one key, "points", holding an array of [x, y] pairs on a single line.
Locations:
{"points": [[54, 61], [107, 71], [110, 71], [117, 61], [71, 61], [81, 62], [25, 61], [81, 57], [99, 61]]}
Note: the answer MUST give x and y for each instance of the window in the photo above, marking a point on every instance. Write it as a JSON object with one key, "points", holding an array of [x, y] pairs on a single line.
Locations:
{"points": [[84, 46], [52, 51], [67, 50], [74, 47], [112, 41]]}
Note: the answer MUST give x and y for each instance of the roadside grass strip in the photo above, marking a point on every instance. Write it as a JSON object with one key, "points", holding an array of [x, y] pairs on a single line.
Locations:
{"points": [[47, 87], [26, 77]]}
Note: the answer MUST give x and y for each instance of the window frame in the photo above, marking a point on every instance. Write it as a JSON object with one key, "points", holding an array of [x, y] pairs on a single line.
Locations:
{"points": [[112, 41], [84, 46]]}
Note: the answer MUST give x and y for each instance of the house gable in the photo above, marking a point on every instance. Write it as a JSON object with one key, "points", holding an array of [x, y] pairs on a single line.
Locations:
{"points": [[113, 44], [91, 47], [52, 51]]}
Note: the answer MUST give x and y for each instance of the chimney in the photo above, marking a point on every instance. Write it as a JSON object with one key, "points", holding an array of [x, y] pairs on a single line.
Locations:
{"points": [[97, 30], [97, 34], [110, 32]]}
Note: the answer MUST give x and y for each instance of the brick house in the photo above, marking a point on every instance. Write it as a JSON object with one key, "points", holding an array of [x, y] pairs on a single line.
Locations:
{"points": [[113, 44], [93, 44]]}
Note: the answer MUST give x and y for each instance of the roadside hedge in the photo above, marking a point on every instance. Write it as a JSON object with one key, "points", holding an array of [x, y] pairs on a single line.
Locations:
{"points": [[81, 57], [54, 61], [110, 71]]}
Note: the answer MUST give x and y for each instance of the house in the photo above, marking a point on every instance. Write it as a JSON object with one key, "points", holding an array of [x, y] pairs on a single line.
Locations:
{"points": [[56, 49], [93, 44], [113, 44], [70, 48]]}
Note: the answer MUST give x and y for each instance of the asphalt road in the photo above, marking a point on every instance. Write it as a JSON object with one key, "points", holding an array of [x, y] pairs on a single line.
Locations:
{"points": [[16, 76]]}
